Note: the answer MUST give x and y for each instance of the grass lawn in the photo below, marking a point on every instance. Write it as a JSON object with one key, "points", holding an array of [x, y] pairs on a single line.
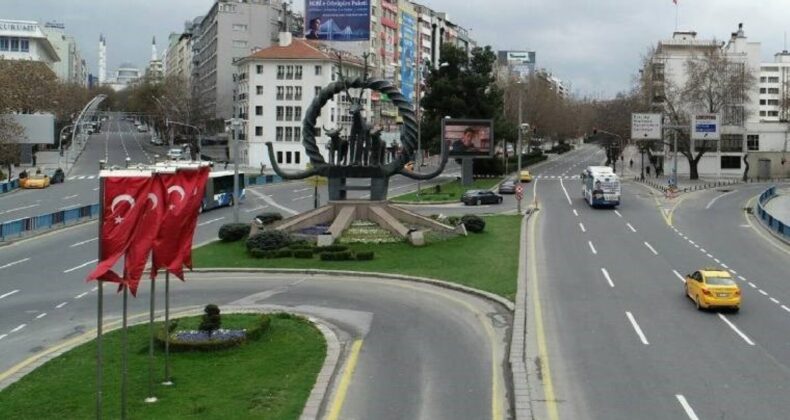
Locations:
{"points": [[486, 261], [267, 378], [450, 191]]}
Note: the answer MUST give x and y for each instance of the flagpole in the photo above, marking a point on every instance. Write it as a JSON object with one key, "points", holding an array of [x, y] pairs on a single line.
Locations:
{"points": [[677, 6], [151, 398], [124, 351], [167, 381], [99, 309]]}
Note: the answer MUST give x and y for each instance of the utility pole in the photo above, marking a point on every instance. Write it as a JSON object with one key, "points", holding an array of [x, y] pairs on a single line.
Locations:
{"points": [[518, 147], [675, 159], [418, 114], [236, 124]]}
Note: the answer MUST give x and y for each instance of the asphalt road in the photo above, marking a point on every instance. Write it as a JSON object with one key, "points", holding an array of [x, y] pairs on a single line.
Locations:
{"points": [[621, 336]]}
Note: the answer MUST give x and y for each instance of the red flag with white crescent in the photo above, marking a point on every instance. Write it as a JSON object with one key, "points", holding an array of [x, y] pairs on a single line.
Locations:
{"points": [[125, 196], [143, 240], [196, 201]]}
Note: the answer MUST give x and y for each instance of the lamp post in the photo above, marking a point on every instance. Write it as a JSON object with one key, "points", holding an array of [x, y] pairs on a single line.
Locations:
{"points": [[60, 142], [236, 125], [520, 136]]}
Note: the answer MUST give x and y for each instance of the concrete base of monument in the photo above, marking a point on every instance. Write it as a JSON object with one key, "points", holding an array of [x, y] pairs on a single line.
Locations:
{"points": [[338, 216]]}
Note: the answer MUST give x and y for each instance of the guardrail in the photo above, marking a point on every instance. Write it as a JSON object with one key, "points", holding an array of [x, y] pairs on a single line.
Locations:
{"points": [[9, 186], [20, 227], [771, 222]]}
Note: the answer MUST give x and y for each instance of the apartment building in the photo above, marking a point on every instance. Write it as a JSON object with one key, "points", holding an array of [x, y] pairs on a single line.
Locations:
{"points": [[25, 40], [774, 85], [71, 68]]}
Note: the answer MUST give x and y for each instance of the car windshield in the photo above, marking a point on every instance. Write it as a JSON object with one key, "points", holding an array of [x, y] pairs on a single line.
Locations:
{"points": [[719, 281]]}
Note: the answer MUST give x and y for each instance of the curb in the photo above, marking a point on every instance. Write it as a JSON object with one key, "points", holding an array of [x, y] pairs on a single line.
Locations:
{"points": [[522, 395]]}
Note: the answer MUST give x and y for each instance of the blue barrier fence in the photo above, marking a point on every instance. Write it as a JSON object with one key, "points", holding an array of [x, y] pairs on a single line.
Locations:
{"points": [[19, 227], [9, 186], [771, 222]]}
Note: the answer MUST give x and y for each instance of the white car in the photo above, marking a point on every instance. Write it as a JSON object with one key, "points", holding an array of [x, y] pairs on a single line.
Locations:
{"points": [[175, 154]]}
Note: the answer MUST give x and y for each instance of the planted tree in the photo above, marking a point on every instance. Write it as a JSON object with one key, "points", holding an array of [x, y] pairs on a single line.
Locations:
{"points": [[211, 320]]}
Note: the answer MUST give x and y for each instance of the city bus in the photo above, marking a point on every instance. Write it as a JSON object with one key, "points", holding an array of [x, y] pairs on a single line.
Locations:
{"points": [[219, 190], [600, 186]]}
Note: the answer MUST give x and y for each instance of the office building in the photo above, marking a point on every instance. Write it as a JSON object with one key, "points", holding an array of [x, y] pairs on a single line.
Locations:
{"points": [[25, 40]]}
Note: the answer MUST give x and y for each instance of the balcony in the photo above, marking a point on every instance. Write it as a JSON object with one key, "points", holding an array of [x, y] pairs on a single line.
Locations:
{"points": [[390, 23]]}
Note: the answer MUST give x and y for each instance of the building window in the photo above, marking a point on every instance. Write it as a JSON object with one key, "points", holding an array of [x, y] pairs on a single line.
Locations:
{"points": [[317, 132], [773, 113], [280, 93], [763, 79], [289, 93], [318, 70], [732, 143], [298, 113], [280, 156], [762, 113], [317, 90], [238, 27], [762, 90], [259, 90], [774, 102], [258, 130], [280, 72], [3, 43], [280, 113], [239, 43], [762, 101], [289, 113], [753, 142], [773, 80], [730, 162], [24, 45], [297, 157], [289, 133], [259, 68], [297, 134], [287, 157], [279, 137], [289, 72], [773, 90], [14, 44], [298, 94], [258, 110], [298, 73]]}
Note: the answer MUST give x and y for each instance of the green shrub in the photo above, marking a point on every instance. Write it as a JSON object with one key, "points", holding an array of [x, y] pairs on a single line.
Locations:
{"points": [[303, 253], [453, 220], [269, 218], [332, 248], [268, 240], [300, 244], [337, 256], [473, 223], [232, 232], [211, 319], [177, 345], [283, 253], [260, 253], [365, 255]]}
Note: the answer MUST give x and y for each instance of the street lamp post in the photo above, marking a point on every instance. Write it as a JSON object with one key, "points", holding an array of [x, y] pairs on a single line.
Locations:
{"points": [[60, 143], [236, 124], [520, 135]]}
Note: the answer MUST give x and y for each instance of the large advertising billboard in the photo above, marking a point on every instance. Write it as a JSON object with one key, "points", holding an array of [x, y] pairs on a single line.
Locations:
{"points": [[468, 138], [337, 20], [408, 55]]}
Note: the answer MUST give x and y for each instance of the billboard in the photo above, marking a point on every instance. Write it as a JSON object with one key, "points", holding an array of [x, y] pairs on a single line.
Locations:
{"points": [[468, 138], [705, 127], [646, 126], [337, 20], [37, 128], [407, 55]]}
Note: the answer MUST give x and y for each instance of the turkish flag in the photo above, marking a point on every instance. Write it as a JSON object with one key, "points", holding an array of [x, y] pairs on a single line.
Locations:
{"points": [[194, 210], [122, 205], [183, 191], [143, 240]]}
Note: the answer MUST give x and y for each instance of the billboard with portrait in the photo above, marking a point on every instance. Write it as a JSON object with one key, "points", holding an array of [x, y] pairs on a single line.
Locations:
{"points": [[337, 20], [407, 55], [468, 138]]}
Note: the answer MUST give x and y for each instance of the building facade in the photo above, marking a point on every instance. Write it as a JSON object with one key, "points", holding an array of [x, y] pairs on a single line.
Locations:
{"points": [[276, 85], [25, 40], [71, 67]]}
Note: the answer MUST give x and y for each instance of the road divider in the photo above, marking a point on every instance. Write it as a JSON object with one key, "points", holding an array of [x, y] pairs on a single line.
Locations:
{"points": [[776, 226], [63, 217]]}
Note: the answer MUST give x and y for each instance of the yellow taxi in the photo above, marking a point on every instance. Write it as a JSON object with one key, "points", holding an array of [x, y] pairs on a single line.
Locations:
{"points": [[525, 176], [713, 288], [35, 181], [409, 166]]}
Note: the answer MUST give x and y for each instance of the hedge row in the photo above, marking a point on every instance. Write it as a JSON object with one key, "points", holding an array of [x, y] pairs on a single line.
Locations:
{"points": [[495, 166]]}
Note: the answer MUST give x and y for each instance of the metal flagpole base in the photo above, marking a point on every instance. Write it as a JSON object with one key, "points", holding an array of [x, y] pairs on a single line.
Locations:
{"points": [[151, 400], [167, 383]]}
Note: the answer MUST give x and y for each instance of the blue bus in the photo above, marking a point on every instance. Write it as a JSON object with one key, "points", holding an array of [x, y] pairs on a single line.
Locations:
{"points": [[219, 190]]}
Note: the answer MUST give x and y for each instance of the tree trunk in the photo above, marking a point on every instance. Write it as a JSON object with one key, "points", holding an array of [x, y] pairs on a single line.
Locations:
{"points": [[693, 174]]}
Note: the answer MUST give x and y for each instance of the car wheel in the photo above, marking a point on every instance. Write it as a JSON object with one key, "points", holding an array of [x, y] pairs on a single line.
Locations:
{"points": [[499, 201], [736, 309], [477, 202], [696, 302]]}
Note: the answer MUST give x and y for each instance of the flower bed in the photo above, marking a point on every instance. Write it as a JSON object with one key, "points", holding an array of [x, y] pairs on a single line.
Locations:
{"points": [[194, 340], [366, 232]]}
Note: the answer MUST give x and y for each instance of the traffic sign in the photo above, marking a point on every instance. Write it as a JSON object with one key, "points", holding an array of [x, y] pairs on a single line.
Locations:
{"points": [[646, 126], [519, 189], [705, 127]]}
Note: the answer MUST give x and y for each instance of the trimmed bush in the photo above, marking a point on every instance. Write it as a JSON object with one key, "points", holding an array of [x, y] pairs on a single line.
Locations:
{"points": [[365, 255], [473, 223], [337, 256], [303, 253], [269, 240], [211, 319], [300, 244], [283, 253], [183, 345], [232, 232], [259, 253], [332, 248], [269, 218]]}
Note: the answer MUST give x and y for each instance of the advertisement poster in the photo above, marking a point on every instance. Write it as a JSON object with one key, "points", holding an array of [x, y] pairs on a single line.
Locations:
{"points": [[407, 55], [337, 20], [468, 138]]}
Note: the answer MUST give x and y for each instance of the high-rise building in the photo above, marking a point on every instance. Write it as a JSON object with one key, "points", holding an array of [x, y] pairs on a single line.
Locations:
{"points": [[179, 55], [70, 68], [155, 70], [774, 85], [102, 60], [24, 40]]}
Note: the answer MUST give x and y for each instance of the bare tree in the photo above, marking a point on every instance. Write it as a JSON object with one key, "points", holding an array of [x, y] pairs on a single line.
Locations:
{"points": [[10, 134]]}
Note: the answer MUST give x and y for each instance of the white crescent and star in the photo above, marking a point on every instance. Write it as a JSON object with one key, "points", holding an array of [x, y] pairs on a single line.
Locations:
{"points": [[154, 200], [180, 190], [117, 200]]}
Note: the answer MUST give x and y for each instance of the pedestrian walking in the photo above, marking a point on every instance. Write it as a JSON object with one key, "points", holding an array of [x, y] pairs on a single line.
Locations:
{"points": [[647, 169], [631, 164]]}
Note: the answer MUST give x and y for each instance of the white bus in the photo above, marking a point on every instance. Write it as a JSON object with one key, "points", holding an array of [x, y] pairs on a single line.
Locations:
{"points": [[600, 186], [219, 190]]}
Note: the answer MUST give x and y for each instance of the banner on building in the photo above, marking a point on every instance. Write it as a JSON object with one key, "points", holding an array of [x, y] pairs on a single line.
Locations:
{"points": [[408, 55], [337, 20]]}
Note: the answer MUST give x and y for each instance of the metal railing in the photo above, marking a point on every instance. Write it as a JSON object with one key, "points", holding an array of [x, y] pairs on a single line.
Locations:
{"points": [[9, 186], [770, 221], [26, 225], [263, 179]]}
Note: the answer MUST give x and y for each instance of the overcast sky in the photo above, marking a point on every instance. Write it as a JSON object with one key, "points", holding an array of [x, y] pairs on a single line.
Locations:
{"points": [[595, 45]]}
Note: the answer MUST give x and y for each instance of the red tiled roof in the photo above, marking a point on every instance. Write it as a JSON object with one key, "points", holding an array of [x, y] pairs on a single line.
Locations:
{"points": [[299, 49]]}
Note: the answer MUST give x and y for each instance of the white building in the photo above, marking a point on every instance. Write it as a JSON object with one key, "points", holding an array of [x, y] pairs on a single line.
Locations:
{"points": [[276, 86], [71, 67], [156, 68], [775, 88], [126, 74], [25, 40]]}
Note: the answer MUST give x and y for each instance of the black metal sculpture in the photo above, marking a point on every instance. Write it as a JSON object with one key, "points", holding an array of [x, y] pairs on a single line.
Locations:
{"points": [[366, 158]]}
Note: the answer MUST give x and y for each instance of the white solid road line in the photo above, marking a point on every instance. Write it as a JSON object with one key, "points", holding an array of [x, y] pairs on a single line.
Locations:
{"points": [[271, 201], [631, 227], [210, 221], [608, 278], [41, 315], [62, 304], [683, 279], [651, 248], [83, 242], [581, 226], [636, 328], [566, 192], [11, 264], [19, 328], [618, 213], [93, 261], [686, 407], [5, 295], [575, 213], [69, 197], [592, 248], [734, 328], [718, 197]]}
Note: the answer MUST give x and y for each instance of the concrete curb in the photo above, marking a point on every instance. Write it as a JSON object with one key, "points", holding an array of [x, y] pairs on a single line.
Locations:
{"points": [[522, 395]]}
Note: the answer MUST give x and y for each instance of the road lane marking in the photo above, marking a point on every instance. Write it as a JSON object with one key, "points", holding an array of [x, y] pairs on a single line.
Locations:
{"points": [[592, 248], [686, 407], [651, 248], [734, 328], [19, 328], [724, 265], [303, 189], [717, 198], [83, 242], [618, 213], [210, 221], [581, 226], [717, 260], [696, 246], [691, 242], [2, 336], [733, 272], [754, 286], [742, 278], [96, 189], [575, 213], [301, 198], [606, 274], [81, 177], [41, 315], [763, 292], [95, 289], [636, 328], [702, 250], [93, 261], [775, 300], [13, 292], [255, 209], [786, 308], [81, 295], [683, 279], [566, 193], [62, 304], [709, 256], [11, 264], [18, 209], [345, 381], [69, 197], [631, 227], [271, 201], [70, 207]]}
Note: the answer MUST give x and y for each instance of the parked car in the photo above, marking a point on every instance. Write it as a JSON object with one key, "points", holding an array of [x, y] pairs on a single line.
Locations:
{"points": [[477, 197], [156, 141], [34, 181], [175, 154], [508, 186], [58, 176], [142, 128]]}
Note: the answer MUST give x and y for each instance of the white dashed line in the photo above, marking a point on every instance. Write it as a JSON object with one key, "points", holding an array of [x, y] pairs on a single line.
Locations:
{"points": [[786, 308], [742, 278], [81, 295], [575, 213], [83, 242], [592, 248], [41, 315], [631, 227], [733, 272], [651, 248], [709, 256], [702, 250], [302, 198], [13, 292], [683, 279], [69, 197], [686, 407], [618, 213], [93, 261], [754, 286], [2, 336], [636, 328], [608, 278], [95, 289], [734, 328], [62, 304], [210, 221], [11, 264], [724, 265], [303, 189], [696, 246], [581, 226], [717, 260], [691, 242], [81, 177], [774, 300], [19, 328], [763, 292]]}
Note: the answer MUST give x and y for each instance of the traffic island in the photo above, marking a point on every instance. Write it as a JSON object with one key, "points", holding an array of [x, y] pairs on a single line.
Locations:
{"points": [[446, 193]]}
